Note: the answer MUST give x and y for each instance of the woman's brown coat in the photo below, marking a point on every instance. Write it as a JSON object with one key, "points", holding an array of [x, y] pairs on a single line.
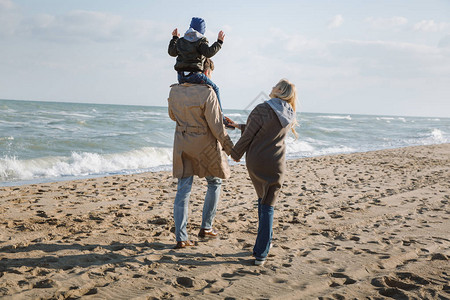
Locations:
{"points": [[263, 141]]}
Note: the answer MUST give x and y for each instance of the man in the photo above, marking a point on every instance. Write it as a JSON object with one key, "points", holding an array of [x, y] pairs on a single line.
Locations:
{"points": [[199, 145]]}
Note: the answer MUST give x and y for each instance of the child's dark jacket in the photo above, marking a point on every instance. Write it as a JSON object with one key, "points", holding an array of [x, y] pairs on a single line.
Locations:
{"points": [[191, 51]]}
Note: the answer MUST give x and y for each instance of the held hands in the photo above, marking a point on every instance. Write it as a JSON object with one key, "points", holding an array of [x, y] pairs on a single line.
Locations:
{"points": [[175, 32], [231, 123], [221, 36]]}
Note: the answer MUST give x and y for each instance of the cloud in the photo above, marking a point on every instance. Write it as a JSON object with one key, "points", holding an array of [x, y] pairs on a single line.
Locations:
{"points": [[385, 59], [444, 42], [353, 59], [386, 23], [431, 26], [9, 19], [80, 26], [336, 22], [6, 4], [76, 26]]}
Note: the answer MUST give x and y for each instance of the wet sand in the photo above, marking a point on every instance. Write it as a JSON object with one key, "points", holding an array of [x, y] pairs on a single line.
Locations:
{"points": [[369, 225]]}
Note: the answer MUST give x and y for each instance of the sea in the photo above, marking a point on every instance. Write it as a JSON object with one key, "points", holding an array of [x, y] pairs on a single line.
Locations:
{"points": [[51, 141]]}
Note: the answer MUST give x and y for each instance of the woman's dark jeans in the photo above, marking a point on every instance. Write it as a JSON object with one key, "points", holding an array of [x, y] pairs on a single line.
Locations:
{"points": [[264, 237]]}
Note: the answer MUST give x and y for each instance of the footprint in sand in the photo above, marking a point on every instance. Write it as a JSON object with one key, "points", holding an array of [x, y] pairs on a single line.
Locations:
{"points": [[216, 286], [339, 278], [396, 286], [185, 282], [46, 283], [279, 280]]}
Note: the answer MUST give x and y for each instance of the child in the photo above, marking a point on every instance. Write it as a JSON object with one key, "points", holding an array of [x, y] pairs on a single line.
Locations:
{"points": [[191, 51]]}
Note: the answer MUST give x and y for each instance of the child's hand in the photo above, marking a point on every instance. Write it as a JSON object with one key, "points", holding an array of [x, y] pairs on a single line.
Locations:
{"points": [[221, 36], [175, 32]]}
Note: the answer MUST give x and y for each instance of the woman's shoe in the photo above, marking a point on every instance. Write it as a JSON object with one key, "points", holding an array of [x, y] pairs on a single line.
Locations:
{"points": [[259, 262]]}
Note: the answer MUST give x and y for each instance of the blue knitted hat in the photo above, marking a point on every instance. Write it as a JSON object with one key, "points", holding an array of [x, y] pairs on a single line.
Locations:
{"points": [[198, 24]]}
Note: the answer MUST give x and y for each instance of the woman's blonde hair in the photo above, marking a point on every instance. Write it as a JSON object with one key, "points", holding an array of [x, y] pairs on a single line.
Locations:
{"points": [[286, 90]]}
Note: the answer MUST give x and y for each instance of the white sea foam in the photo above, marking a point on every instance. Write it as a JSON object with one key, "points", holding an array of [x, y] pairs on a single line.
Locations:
{"points": [[438, 136], [334, 130], [297, 146], [235, 115], [146, 113], [7, 138], [387, 119], [335, 150], [73, 114], [338, 117], [300, 148], [84, 164]]}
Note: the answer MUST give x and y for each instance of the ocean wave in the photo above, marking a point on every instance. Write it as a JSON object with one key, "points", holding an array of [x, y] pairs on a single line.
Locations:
{"points": [[337, 117], [7, 138], [73, 114], [430, 137], [235, 115], [389, 119], [331, 130], [296, 146], [438, 136], [84, 164], [310, 151], [147, 113]]}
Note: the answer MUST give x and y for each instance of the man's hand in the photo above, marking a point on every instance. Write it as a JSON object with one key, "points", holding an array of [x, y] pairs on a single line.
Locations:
{"points": [[231, 122], [221, 36], [175, 32]]}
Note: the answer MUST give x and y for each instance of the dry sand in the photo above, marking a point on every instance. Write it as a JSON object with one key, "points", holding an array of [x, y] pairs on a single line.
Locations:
{"points": [[367, 225]]}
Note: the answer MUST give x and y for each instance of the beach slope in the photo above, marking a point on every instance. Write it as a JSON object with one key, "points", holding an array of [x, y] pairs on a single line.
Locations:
{"points": [[347, 226]]}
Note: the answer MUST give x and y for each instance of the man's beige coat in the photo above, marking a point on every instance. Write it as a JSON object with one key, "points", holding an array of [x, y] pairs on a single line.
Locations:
{"points": [[200, 136]]}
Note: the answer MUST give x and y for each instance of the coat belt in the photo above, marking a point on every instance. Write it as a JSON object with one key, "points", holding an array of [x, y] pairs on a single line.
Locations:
{"points": [[192, 129]]}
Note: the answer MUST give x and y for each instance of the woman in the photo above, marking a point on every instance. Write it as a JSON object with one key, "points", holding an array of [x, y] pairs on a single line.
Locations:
{"points": [[263, 140]]}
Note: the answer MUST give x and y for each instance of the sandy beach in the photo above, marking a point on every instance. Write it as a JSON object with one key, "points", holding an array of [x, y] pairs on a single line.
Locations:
{"points": [[372, 225]]}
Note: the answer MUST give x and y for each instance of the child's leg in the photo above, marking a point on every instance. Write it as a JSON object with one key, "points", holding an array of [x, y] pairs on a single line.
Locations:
{"points": [[200, 78], [193, 78], [215, 88]]}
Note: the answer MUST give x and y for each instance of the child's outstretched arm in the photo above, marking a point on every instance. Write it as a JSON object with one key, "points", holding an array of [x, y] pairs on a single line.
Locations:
{"points": [[210, 51], [173, 43], [221, 36]]}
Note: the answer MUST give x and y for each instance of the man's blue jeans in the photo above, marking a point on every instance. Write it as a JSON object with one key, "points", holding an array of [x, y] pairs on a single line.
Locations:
{"points": [[264, 237], [181, 205], [200, 78]]}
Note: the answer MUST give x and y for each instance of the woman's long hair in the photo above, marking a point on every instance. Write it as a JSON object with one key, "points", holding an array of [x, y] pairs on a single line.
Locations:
{"points": [[286, 90]]}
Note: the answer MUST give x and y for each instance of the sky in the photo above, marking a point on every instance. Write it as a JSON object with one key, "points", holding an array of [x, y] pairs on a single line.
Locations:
{"points": [[384, 57]]}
